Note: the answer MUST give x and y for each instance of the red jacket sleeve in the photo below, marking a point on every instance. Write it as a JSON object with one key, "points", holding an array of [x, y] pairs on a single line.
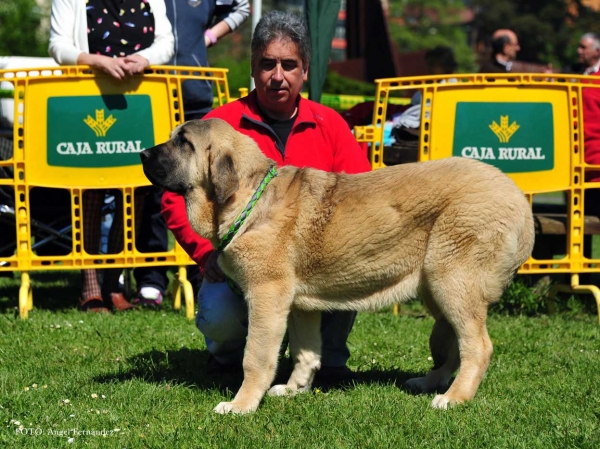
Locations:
{"points": [[175, 215]]}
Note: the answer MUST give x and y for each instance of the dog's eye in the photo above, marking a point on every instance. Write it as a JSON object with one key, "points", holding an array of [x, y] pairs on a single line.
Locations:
{"points": [[182, 142]]}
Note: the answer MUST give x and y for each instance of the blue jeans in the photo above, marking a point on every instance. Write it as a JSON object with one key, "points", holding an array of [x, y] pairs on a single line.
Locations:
{"points": [[223, 320]]}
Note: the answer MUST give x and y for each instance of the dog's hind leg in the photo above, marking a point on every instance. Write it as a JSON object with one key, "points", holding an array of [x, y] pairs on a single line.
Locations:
{"points": [[305, 348], [267, 318], [464, 306]]}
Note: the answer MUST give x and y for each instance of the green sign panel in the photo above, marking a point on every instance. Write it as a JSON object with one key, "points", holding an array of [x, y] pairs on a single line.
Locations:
{"points": [[515, 137], [98, 131]]}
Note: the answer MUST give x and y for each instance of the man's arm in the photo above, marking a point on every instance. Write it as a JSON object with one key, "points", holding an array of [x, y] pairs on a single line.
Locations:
{"points": [[348, 156], [175, 215]]}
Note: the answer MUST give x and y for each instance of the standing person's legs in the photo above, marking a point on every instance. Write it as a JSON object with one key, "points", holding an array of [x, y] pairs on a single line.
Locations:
{"points": [[116, 240], [151, 236], [91, 295]]}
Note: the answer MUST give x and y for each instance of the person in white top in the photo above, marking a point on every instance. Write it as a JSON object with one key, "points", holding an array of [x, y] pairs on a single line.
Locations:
{"points": [[70, 35], [120, 38]]}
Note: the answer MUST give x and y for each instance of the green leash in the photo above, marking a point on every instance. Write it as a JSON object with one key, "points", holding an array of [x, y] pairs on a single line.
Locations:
{"points": [[239, 221]]}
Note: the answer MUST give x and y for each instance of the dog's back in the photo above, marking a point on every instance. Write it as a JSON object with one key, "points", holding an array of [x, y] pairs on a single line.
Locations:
{"points": [[387, 231]]}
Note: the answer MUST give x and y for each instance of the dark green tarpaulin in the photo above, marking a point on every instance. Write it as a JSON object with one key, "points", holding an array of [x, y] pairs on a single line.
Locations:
{"points": [[321, 16]]}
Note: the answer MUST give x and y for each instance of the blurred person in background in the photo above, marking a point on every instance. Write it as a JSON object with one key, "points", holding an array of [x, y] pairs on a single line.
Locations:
{"points": [[588, 52], [505, 46], [197, 26]]}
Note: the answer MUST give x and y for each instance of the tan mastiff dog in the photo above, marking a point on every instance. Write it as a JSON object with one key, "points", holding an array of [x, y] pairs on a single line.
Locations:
{"points": [[452, 232]]}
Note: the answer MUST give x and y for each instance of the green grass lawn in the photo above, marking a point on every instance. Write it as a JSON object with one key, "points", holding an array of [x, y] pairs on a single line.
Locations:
{"points": [[140, 378]]}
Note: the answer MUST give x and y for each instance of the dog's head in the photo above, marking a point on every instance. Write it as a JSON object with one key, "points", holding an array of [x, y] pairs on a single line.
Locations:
{"points": [[199, 154]]}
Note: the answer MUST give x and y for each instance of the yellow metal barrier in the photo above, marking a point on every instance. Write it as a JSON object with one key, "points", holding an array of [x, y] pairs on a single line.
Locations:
{"points": [[528, 125], [78, 130]]}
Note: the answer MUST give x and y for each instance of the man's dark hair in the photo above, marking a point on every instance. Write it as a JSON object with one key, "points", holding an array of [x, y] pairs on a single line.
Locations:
{"points": [[442, 56], [281, 25], [499, 43]]}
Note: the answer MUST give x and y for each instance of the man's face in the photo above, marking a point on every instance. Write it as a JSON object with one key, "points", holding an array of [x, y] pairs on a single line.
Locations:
{"points": [[278, 76], [512, 48], [588, 55]]}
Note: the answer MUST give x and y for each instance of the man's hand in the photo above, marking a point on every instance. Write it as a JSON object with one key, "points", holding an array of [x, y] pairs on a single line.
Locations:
{"points": [[212, 271]]}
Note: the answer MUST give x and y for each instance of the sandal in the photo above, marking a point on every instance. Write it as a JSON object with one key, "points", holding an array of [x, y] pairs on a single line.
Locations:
{"points": [[93, 304]]}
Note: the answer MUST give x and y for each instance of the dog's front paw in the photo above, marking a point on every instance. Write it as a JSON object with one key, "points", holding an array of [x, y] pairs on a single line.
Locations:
{"points": [[444, 402], [440, 401], [231, 407], [281, 390]]}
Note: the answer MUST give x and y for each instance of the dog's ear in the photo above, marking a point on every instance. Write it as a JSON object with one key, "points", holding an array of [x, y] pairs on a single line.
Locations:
{"points": [[224, 177]]}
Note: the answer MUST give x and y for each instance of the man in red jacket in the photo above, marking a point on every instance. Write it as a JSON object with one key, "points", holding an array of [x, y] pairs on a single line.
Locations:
{"points": [[292, 131]]}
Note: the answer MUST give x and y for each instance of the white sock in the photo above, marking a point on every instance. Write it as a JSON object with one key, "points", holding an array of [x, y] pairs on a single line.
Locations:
{"points": [[150, 292]]}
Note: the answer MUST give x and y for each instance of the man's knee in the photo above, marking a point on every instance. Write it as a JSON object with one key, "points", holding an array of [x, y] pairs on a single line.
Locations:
{"points": [[222, 315]]}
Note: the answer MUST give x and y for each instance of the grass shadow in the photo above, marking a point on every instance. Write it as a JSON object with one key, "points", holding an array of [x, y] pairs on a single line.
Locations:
{"points": [[394, 377], [183, 366], [52, 290], [189, 367]]}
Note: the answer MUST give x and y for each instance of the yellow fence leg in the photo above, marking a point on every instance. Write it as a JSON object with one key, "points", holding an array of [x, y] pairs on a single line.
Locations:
{"points": [[25, 296], [182, 285], [574, 288]]}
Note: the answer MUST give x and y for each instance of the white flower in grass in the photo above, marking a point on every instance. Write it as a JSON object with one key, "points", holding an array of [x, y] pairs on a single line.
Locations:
{"points": [[66, 402], [430, 358], [71, 416], [103, 397], [80, 321], [71, 440], [94, 396], [16, 423], [34, 385], [26, 388]]}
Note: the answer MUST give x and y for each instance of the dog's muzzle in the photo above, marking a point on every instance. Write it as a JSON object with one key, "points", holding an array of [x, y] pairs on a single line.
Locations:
{"points": [[159, 168], [153, 167]]}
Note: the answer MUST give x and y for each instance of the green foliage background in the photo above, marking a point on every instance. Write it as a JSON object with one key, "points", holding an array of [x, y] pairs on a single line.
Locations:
{"points": [[20, 29], [548, 32], [425, 24]]}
